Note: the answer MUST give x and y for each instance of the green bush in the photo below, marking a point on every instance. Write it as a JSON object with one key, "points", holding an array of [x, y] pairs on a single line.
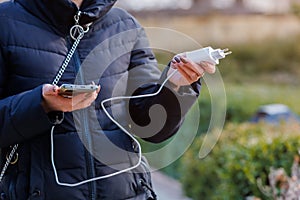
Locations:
{"points": [[243, 154]]}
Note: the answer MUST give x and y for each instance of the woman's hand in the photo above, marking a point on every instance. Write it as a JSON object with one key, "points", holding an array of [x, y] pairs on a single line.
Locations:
{"points": [[188, 71], [52, 101]]}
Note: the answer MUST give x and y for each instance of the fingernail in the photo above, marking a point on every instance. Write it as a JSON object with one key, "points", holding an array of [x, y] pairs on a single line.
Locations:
{"points": [[183, 60], [177, 59]]}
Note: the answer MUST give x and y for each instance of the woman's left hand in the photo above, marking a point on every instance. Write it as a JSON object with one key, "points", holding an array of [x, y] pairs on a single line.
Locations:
{"points": [[188, 71]]}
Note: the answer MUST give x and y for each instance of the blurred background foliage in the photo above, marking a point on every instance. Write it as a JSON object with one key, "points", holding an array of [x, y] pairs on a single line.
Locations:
{"points": [[243, 155]]}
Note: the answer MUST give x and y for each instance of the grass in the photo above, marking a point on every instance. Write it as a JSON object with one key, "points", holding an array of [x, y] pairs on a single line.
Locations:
{"points": [[244, 99]]}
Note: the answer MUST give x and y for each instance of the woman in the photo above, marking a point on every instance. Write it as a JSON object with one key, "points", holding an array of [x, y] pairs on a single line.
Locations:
{"points": [[36, 37]]}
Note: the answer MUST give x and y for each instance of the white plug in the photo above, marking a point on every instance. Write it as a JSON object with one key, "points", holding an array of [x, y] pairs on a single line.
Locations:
{"points": [[207, 54]]}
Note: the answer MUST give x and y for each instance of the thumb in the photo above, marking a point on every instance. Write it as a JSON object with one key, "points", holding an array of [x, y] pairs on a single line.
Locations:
{"points": [[49, 89]]}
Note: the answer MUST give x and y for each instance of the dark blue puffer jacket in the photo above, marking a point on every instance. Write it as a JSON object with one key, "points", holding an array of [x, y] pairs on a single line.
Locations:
{"points": [[34, 41]]}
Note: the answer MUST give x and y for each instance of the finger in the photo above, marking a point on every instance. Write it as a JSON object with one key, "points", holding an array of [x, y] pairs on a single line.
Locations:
{"points": [[87, 101], [60, 103], [193, 76], [189, 72], [49, 89], [173, 65], [77, 99], [196, 68], [83, 100], [174, 61], [185, 75], [184, 60], [177, 59], [208, 67], [98, 90]]}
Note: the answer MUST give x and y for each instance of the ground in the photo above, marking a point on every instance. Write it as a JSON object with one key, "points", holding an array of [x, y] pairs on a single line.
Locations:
{"points": [[167, 188]]}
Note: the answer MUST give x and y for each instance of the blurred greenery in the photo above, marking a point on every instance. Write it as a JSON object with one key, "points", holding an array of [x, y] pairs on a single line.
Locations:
{"points": [[244, 153], [244, 99], [296, 9], [254, 74], [268, 62]]}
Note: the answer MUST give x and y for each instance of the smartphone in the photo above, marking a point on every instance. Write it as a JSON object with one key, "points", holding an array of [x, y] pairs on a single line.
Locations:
{"points": [[69, 90]]}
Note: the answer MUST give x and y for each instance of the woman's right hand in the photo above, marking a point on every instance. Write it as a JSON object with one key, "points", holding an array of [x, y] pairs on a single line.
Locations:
{"points": [[52, 101]]}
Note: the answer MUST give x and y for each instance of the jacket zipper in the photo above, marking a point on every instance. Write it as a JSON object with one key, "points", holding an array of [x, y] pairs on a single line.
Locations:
{"points": [[87, 137]]}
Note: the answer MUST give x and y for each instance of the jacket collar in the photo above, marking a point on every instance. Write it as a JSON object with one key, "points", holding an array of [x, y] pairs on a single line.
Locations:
{"points": [[60, 13]]}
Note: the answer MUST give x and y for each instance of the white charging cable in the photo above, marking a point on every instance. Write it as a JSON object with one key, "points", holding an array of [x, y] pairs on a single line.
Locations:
{"points": [[204, 54], [120, 126]]}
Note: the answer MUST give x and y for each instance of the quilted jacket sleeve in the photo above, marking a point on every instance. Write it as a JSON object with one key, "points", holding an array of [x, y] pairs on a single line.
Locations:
{"points": [[21, 116], [168, 108]]}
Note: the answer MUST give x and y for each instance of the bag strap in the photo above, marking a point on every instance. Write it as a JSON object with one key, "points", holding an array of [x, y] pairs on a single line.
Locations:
{"points": [[76, 32]]}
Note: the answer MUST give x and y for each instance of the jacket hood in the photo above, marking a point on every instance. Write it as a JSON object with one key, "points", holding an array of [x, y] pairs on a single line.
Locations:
{"points": [[60, 13]]}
